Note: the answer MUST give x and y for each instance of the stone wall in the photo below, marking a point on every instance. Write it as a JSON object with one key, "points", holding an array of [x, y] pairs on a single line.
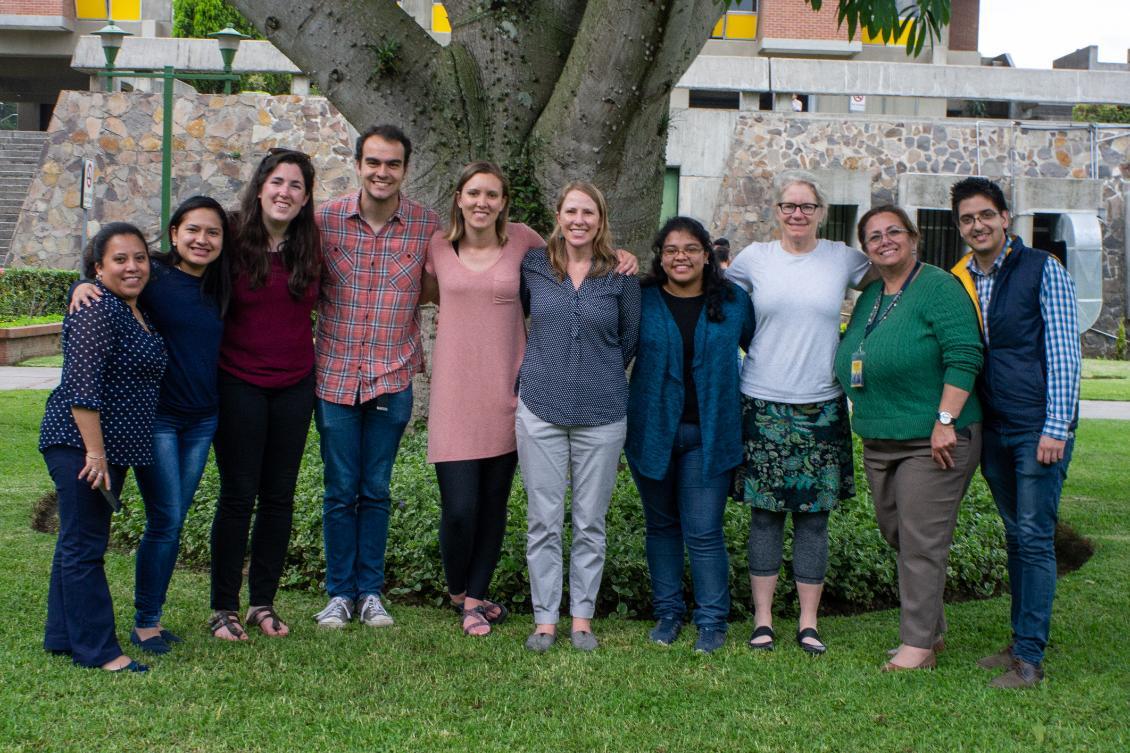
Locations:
{"points": [[218, 141], [766, 143]]}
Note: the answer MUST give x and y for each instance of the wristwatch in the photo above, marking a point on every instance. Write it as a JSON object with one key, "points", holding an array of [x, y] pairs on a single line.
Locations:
{"points": [[945, 418]]}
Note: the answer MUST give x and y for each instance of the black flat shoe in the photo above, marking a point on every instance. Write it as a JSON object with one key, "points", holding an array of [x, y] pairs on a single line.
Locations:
{"points": [[171, 637], [815, 650], [154, 645], [760, 632]]}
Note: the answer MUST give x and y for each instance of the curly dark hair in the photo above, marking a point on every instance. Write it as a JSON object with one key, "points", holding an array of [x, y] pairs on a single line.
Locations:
{"points": [[301, 249], [714, 286]]}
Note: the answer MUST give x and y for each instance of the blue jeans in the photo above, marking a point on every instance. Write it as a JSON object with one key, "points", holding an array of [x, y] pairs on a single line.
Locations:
{"points": [[1027, 496], [685, 508], [80, 615], [359, 444], [180, 452]]}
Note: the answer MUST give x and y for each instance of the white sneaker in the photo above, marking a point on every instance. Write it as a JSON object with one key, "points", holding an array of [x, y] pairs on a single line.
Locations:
{"points": [[337, 613], [372, 612]]}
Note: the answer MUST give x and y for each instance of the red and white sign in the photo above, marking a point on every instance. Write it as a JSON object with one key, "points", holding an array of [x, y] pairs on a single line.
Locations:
{"points": [[857, 103]]}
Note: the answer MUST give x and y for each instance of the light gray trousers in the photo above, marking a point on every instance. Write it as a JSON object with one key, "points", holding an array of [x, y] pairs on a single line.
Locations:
{"points": [[549, 456]]}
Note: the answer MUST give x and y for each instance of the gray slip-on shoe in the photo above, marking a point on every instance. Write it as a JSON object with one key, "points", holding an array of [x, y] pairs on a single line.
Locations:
{"points": [[583, 640], [539, 643]]}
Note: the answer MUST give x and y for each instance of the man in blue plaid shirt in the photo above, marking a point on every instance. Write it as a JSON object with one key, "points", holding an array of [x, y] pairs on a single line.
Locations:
{"points": [[1029, 390]]}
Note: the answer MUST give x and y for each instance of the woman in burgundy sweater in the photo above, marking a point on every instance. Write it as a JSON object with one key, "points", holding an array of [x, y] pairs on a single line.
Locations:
{"points": [[266, 389]]}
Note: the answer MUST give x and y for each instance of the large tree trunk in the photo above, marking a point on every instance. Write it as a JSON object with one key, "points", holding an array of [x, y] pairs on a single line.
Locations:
{"points": [[554, 89]]}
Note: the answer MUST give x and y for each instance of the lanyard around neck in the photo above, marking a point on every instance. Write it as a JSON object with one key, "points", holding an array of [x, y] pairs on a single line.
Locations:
{"points": [[875, 319]]}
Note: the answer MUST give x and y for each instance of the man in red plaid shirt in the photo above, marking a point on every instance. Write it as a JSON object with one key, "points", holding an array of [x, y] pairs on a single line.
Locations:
{"points": [[367, 351]]}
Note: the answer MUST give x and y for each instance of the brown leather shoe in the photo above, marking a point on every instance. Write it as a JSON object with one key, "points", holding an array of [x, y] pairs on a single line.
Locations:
{"points": [[930, 662], [1000, 660], [1022, 675]]}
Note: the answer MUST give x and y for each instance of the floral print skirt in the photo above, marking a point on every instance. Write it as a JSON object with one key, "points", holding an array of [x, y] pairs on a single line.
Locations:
{"points": [[797, 456]]}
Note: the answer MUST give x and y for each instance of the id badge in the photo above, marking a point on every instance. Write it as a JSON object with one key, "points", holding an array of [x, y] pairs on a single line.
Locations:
{"points": [[857, 369]]}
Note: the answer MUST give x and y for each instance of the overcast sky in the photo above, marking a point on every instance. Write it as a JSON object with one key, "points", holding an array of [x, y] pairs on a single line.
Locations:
{"points": [[1036, 32]]}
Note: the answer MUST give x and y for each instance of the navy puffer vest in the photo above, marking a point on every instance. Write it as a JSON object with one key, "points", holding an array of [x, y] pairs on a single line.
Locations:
{"points": [[1013, 386]]}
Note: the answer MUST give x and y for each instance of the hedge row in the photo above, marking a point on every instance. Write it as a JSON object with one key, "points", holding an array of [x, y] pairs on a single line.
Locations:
{"points": [[34, 292], [861, 574]]}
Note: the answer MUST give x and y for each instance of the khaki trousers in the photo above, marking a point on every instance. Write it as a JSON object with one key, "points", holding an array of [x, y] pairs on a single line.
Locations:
{"points": [[916, 504]]}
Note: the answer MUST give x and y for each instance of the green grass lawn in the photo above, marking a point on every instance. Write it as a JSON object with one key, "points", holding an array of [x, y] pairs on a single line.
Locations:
{"points": [[55, 361], [421, 686], [1105, 380]]}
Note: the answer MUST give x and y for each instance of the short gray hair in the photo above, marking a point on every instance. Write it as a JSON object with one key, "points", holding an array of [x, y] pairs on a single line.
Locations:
{"points": [[791, 177]]}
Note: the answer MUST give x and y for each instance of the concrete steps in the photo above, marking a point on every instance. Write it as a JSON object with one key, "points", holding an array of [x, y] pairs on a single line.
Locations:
{"points": [[21, 153]]}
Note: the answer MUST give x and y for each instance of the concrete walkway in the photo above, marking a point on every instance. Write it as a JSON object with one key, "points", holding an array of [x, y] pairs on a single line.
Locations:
{"points": [[28, 377], [40, 378]]}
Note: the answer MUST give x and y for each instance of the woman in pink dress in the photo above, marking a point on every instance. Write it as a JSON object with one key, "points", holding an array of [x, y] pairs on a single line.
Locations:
{"points": [[474, 266]]}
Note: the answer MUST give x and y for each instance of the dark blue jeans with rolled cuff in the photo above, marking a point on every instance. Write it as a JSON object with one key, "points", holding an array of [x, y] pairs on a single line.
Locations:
{"points": [[180, 452], [359, 444], [684, 509], [1027, 493], [80, 614]]}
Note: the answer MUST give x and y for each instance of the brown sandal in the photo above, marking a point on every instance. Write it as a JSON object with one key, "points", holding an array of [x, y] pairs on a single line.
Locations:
{"points": [[479, 617], [225, 618], [256, 616]]}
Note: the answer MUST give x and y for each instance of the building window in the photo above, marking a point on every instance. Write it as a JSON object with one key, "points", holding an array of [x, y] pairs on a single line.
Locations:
{"points": [[711, 99], [739, 22], [120, 10], [838, 224], [440, 22], [941, 243], [1043, 236]]}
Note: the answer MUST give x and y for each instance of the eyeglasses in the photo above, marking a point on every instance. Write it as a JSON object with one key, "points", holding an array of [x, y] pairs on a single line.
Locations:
{"points": [[787, 207], [985, 216], [670, 252], [894, 234]]}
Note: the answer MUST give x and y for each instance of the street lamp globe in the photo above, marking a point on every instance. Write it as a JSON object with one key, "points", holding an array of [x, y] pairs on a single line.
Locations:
{"points": [[111, 36]]}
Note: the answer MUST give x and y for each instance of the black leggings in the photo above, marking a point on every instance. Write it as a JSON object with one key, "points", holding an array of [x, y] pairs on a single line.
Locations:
{"points": [[810, 544], [472, 522], [259, 444]]}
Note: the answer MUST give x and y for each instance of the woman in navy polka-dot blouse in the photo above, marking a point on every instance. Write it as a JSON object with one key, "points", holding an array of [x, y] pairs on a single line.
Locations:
{"points": [[97, 423]]}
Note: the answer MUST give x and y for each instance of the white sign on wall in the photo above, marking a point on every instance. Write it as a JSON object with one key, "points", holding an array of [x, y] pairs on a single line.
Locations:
{"points": [[87, 183], [857, 103]]}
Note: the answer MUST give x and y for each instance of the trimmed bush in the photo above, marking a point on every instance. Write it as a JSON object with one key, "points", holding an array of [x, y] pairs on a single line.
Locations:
{"points": [[26, 292], [861, 572]]}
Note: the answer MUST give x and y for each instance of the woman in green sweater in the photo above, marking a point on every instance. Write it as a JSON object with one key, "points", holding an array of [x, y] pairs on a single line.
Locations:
{"points": [[908, 361]]}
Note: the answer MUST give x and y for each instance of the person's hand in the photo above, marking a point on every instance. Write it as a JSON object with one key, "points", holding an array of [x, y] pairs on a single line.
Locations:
{"points": [[942, 441], [95, 471], [626, 262], [85, 294], [1050, 450]]}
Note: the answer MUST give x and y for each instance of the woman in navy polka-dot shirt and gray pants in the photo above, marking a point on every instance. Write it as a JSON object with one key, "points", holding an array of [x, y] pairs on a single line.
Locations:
{"points": [[99, 421]]}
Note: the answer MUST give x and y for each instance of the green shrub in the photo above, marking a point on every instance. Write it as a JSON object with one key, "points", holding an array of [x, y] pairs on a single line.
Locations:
{"points": [[861, 572], [26, 291]]}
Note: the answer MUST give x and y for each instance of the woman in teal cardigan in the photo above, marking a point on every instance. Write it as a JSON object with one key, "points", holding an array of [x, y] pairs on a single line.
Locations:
{"points": [[908, 362], [684, 429]]}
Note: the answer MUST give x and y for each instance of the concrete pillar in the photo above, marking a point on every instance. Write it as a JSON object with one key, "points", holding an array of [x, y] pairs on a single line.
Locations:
{"points": [[300, 85], [27, 116]]}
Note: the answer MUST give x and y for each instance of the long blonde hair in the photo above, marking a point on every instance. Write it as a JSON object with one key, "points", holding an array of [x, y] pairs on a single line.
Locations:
{"points": [[456, 228], [603, 257]]}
